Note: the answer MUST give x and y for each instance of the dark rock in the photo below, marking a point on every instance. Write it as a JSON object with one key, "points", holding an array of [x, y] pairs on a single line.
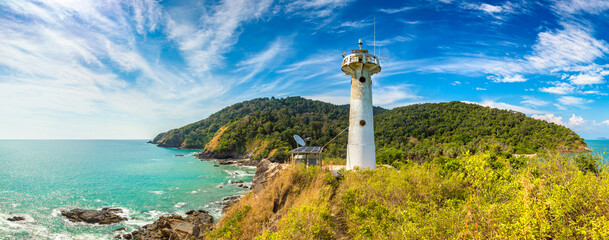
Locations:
{"points": [[216, 165], [15, 218], [104, 216], [205, 155], [228, 202], [178, 155], [264, 171], [240, 185], [226, 158], [119, 229], [238, 181], [176, 227]]}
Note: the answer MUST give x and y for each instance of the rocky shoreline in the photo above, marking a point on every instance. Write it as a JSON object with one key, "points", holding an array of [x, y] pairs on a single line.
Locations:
{"points": [[226, 159], [196, 223], [191, 227]]}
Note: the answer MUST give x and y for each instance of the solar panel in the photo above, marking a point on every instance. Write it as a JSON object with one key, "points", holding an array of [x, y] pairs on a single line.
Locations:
{"points": [[307, 150]]}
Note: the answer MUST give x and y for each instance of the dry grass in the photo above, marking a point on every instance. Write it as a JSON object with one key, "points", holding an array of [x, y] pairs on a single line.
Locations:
{"points": [[215, 141], [293, 188]]}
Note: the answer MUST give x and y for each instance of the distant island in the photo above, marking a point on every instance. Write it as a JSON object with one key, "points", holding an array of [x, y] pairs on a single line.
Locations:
{"points": [[602, 138]]}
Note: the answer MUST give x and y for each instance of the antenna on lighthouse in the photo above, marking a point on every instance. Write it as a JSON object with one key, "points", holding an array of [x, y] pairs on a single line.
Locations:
{"points": [[360, 44], [374, 47]]}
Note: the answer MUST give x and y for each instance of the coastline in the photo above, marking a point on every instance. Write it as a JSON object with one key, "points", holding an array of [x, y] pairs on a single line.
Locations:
{"points": [[144, 181]]}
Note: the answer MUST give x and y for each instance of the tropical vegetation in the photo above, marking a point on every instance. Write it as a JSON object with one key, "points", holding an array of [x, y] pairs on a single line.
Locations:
{"points": [[263, 128]]}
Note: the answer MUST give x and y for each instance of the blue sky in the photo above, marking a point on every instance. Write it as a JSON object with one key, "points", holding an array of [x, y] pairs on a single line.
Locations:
{"points": [[130, 69]]}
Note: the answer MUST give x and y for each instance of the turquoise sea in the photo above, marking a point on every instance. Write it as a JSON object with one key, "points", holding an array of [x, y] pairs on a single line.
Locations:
{"points": [[39, 177], [600, 147]]}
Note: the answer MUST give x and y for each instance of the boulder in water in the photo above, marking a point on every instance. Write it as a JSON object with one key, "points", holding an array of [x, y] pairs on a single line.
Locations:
{"points": [[103, 216], [15, 218]]}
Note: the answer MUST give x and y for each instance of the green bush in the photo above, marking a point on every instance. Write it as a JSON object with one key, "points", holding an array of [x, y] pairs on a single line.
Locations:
{"points": [[588, 162]]}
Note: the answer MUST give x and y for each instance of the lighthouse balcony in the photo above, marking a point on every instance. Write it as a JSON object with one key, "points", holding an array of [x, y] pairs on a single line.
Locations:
{"points": [[360, 58], [357, 60]]}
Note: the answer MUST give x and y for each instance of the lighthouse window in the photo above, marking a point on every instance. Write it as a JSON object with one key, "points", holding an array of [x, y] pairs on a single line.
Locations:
{"points": [[362, 79], [362, 122]]}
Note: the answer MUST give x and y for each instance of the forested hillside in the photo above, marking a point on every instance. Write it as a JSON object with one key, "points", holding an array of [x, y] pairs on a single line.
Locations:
{"points": [[264, 127], [447, 129], [261, 126]]}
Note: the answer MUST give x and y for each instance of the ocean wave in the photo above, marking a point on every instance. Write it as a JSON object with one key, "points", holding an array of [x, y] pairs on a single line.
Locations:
{"points": [[239, 173], [25, 227], [180, 204], [65, 236], [156, 192]]}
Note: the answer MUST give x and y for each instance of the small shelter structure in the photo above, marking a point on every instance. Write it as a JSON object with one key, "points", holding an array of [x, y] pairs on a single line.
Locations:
{"points": [[310, 156]]}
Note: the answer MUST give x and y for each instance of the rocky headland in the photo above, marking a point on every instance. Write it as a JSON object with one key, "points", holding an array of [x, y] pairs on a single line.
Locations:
{"points": [[226, 159]]}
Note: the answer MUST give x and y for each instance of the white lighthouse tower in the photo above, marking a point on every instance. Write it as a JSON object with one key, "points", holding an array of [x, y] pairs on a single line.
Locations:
{"points": [[361, 65]]}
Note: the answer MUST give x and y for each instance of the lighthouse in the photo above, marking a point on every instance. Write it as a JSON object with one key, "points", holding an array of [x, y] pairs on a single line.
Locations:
{"points": [[361, 65]]}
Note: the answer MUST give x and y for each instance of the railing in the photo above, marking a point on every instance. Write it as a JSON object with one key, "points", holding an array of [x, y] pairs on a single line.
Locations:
{"points": [[361, 58]]}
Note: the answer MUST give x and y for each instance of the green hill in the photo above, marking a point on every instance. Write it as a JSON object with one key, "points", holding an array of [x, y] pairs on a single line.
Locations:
{"points": [[264, 127]]}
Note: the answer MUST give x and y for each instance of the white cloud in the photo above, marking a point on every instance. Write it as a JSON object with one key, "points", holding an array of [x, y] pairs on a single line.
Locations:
{"points": [[385, 95], [573, 101], [595, 92], [480, 89], [506, 106], [560, 107], [382, 96], [528, 100], [355, 24], [499, 12], [410, 22], [570, 46], [396, 39], [508, 79], [576, 120], [490, 9], [204, 42], [316, 8], [575, 6], [468, 65], [264, 60], [395, 10], [71, 60], [573, 121], [606, 122], [560, 88], [548, 117], [586, 79]]}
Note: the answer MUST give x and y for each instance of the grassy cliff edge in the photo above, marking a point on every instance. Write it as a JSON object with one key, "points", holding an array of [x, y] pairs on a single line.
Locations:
{"points": [[488, 195]]}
